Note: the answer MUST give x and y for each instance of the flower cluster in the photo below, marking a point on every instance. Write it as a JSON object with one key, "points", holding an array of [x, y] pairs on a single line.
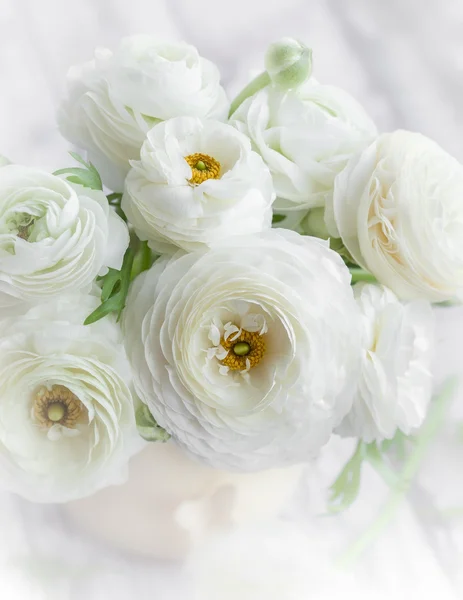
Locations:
{"points": [[244, 279]]}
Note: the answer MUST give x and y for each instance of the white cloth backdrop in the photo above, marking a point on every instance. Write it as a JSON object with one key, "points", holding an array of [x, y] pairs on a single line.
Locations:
{"points": [[404, 60]]}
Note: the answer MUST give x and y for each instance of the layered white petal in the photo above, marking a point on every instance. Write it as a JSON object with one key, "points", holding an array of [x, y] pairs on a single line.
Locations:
{"points": [[171, 212], [293, 293], [395, 386], [306, 137], [49, 346], [397, 208], [114, 100], [54, 237]]}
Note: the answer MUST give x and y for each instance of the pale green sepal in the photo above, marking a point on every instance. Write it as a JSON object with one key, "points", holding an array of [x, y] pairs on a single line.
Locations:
{"points": [[288, 63], [147, 426]]}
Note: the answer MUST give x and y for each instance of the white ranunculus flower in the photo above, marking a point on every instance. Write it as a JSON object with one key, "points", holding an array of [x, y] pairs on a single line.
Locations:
{"points": [[54, 237], [398, 209], [114, 100], [67, 425], [198, 181], [306, 137], [395, 386], [246, 353]]}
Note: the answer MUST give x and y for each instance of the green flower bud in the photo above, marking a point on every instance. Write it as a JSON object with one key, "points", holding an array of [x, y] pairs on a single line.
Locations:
{"points": [[288, 63], [4, 161]]}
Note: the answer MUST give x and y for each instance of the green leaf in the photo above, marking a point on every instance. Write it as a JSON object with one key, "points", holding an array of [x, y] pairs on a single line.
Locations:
{"points": [[110, 281], [114, 290], [78, 158], [112, 305], [144, 259], [345, 489], [278, 218], [87, 176], [72, 170]]}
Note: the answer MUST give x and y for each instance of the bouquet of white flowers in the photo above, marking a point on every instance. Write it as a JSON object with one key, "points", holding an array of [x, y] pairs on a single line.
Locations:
{"points": [[244, 280]]}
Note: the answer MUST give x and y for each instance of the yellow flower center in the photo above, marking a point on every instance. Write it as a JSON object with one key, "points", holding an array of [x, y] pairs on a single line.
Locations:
{"points": [[244, 352], [203, 167], [57, 406]]}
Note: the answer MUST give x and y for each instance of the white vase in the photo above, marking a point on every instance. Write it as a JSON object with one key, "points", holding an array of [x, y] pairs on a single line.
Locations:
{"points": [[171, 501]]}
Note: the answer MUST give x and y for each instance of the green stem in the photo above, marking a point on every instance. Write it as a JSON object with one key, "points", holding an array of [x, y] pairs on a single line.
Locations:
{"points": [[362, 275], [114, 198], [411, 467], [254, 86], [377, 461]]}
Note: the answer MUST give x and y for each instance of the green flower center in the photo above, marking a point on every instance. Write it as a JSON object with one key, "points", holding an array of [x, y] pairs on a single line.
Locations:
{"points": [[22, 224]]}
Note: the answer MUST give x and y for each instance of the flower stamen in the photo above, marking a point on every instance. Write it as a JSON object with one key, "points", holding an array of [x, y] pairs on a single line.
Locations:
{"points": [[245, 351], [203, 167], [57, 405]]}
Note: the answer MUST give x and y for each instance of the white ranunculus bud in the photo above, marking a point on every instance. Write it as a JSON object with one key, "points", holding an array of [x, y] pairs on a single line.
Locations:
{"points": [[398, 209], [55, 237], [197, 182], [114, 100], [288, 63], [4, 161], [67, 426], [395, 385], [246, 353]]}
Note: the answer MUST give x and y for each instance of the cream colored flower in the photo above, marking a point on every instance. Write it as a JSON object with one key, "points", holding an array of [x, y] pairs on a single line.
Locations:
{"points": [[54, 237], [197, 182], [247, 353], [67, 425], [114, 100], [395, 386], [398, 209]]}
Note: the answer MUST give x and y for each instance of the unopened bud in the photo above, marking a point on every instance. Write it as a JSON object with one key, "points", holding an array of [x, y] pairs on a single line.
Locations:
{"points": [[288, 63]]}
